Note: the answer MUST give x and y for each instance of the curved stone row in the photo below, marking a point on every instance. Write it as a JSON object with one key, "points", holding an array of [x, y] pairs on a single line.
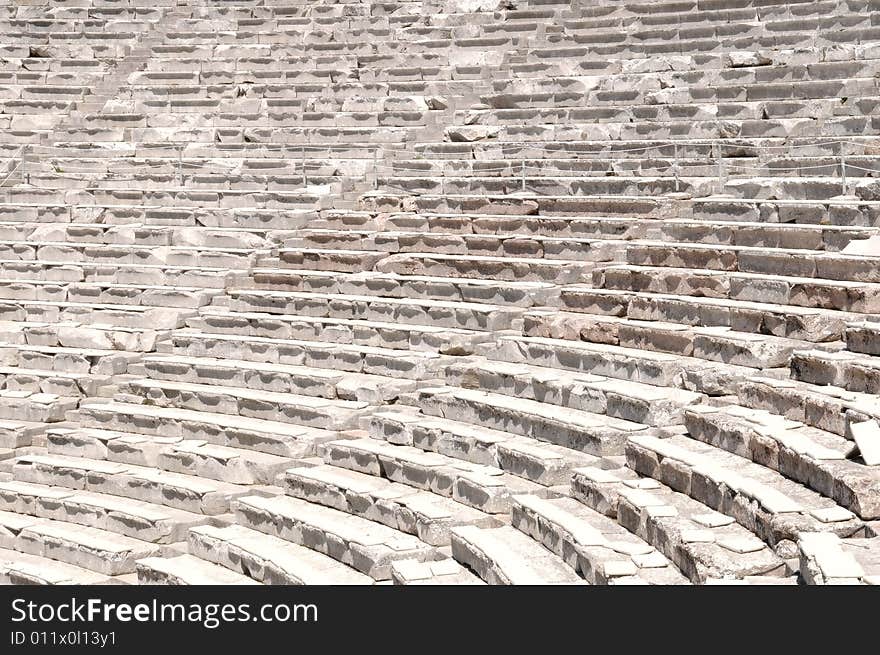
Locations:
{"points": [[439, 292]]}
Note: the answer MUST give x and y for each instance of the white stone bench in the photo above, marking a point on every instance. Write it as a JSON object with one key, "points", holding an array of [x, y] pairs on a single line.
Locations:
{"points": [[485, 488], [773, 507], [540, 462], [827, 559], [186, 570], [245, 432], [442, 572], [268, 559], [506, 556], [86, 547], [185, 492], [128, 517], [591, 544], [19, 568], [366, 546], [427, 515], [705, 545], [186, 456], [818, 459], [285, 407], [596, 434]]}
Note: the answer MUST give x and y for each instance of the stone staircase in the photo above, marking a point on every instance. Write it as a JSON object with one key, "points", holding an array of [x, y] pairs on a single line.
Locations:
{"points": [[440, 292]]}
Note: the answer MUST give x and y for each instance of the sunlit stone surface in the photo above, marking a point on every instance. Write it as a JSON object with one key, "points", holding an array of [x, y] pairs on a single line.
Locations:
{"points": [[440, 292]]}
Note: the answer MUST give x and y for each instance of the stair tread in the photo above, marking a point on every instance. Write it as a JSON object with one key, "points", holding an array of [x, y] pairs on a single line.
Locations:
{"points": [[510, 557], [303, 564], [189, 570]]}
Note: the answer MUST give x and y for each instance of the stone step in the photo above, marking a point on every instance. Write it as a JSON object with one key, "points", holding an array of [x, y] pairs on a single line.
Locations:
{"points": [[828, 408], [276, 378], [188, 493], [247, 433], [845, 265], [507, 556], [705, 545], [34, 407], [539, 462], [17, 568], [672, 15], [843, 211], [70, 360], [821, 460], [131, 518], [494, 204], [441, 572], [390, 285], [594, 546], [216, 320], [186, 569], [852, 371], [785, 321], [439, 313], [481, 487], [365, 546], [540, 161], [863, 337], [812, 292], [712, 84], [324, 259], [20, 434], [630, 401], [170, 194], [133, 232], [105, 293], [311, 411], [83, 546], [774, 508], [61, 271], [82, 251], [827, 559], [590, 153], [188, 456], [56, 383], [125, 316], [595, 434], [424, 514], [268, 559], [619, 227], [650, 185], [763, 580], [355, 358], [76, 335], [556, 271], [618, 162], [721, 344], [636, 365], [513, 245]]}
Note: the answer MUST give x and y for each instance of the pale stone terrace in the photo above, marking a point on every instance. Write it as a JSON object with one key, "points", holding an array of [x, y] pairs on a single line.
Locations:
{"points": [[440, 292]]}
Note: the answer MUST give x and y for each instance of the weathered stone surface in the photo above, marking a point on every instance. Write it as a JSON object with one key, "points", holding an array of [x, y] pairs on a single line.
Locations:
{"points": [[828, 559], [439, 292], [867, 438]]}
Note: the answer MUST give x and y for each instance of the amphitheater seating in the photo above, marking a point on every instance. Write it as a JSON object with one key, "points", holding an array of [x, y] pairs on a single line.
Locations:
{"points": [[439, 292]]}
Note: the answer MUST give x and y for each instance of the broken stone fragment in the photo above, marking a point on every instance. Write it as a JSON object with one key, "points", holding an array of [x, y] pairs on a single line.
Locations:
{"points": [[867, 437], [742, 59], [870, 246], [470, 133], [437, 102]]}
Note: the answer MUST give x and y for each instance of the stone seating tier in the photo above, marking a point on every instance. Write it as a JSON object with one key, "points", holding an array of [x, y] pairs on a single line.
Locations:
{"points": [[439, 292]]}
